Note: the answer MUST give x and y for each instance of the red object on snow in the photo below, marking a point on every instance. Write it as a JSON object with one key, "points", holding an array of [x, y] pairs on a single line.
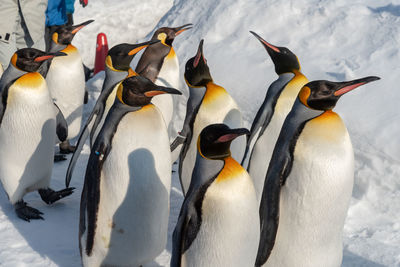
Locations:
{"points": [[101, 53], [84, 2]]}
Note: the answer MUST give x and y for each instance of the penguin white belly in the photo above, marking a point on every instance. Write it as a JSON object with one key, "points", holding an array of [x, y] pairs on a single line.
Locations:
{"points": [[109, 102], [315, 199], [132, 221], [265, 144], [169, 77], [229, 231], [66, 82], [221, 109], [27, 136]]}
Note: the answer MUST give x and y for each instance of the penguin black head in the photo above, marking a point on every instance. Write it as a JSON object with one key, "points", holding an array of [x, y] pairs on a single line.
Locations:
{"points": [[30, 59], [121, 55], [215, 140], [167, 35], [284, 59], [197, 72], [65, 33], [323, 95], [137, 91]]}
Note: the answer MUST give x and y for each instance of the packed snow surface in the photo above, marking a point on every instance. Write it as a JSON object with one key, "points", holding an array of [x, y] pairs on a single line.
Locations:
{"points": [[334, 40]]}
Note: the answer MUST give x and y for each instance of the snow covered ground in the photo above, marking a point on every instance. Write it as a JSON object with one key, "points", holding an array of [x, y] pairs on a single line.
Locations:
{"points": [[333, 39]]}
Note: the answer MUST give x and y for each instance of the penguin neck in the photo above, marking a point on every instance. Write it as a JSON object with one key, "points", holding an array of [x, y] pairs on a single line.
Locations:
{"points": [[56, 47], [196, 95], [205, 171], [113, 77], [9, 75]]}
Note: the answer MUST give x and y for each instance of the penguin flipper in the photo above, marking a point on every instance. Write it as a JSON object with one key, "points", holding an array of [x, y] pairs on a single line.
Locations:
{"points": [[178, 238], [98, 110], [88, 129], [62, 125], [92, 190], [258, 122], [178, 141], [78, 149]]}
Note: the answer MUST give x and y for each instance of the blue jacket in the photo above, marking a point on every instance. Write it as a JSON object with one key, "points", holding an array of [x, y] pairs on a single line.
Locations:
{"points": [[56, 13]]}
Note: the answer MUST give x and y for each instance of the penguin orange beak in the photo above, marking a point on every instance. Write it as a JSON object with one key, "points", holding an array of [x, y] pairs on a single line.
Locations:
{"points": [[265, 43], [77, 28], [232, 134], [179, 30], [162, 90], [139, 47], [49, 56], [346, 87]]}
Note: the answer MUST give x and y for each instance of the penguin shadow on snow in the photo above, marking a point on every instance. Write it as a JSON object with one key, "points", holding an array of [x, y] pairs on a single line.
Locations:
{"points": [[137, 159], [352, 260], [75, 114], [51, 237]]}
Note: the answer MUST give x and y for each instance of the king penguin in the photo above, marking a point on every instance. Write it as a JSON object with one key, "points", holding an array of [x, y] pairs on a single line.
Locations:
{"points": [[28, 126], [268, 122], [219, 223], [125, 200], [66, 80], [160, 64], [208, 103], [309, 182], [117, 67]]}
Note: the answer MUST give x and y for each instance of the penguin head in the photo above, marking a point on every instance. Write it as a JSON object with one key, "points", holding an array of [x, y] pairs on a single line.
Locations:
{"points": [[65, 33], [121, 55], [137, 91], [197, 73], [167, 35], [30, 59], [284, 59], [215, 140], [323, 95]]}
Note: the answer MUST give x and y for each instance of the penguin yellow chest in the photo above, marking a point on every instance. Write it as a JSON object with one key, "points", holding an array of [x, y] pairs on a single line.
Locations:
{"points": [[229, 232], [135, 183], [217, 107], [316, 196]]}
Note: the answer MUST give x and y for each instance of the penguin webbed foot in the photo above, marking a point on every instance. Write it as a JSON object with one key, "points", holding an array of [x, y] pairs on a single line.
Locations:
{"points": [[66, 148], [27, 213], [59, 157], [50, 196]]}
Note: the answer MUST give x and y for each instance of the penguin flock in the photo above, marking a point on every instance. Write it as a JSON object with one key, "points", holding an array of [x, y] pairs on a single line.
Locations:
{"points": [[274, 195]]}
